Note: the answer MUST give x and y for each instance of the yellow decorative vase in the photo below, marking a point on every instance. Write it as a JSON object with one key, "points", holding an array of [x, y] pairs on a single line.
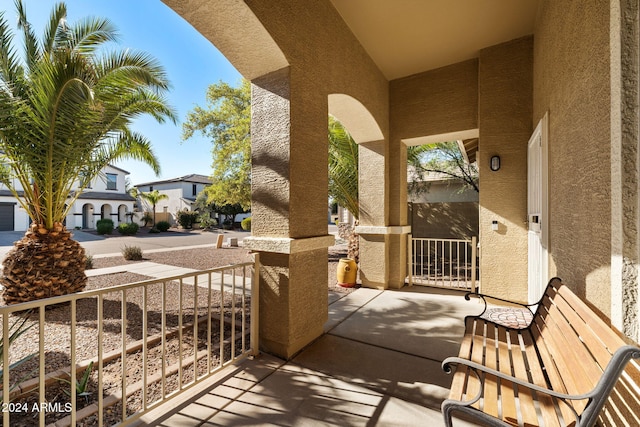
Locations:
{"points": [[347, 272]]}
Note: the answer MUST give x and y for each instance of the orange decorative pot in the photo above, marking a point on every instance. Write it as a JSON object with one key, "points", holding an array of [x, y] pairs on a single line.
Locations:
{"points": [[347, 272]]}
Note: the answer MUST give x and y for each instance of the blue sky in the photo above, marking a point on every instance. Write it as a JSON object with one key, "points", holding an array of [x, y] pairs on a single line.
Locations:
{"points": [[191, 61]]}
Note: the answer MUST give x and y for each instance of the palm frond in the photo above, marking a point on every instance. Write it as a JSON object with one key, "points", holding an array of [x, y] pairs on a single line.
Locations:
{"points": [[90, 34], [32, 49], [343, 168], [55, 27], [9, 62]]}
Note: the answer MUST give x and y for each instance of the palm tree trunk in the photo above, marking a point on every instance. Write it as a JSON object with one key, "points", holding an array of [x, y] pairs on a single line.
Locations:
{"points": [[44, 263]]}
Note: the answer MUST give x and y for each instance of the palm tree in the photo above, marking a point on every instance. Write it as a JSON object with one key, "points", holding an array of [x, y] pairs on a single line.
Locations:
{"points": [[343, 173], [343, 168], [66, 107], [153, 197], [343, 177]]}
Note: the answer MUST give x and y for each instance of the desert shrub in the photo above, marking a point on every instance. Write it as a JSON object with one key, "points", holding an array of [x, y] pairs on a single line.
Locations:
{"points": [[132, 253], [227, 224], [154, 230], [128, 229], [104, 226], [186, 219], [246, 224], [206, 221], [88, 262], [163, 226], [147, 218]]}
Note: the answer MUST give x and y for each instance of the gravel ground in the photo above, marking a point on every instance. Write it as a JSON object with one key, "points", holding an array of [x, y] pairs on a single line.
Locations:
{"points": [[57, 330], [204, 258], [57, 318]]}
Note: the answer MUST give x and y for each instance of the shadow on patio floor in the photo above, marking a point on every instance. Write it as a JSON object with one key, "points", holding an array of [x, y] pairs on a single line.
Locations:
{"points": [[377, 365]]}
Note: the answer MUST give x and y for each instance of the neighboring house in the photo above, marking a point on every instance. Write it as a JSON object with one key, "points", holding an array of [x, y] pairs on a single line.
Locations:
{"points": [[104, 197], [182, 192], [442, 207], [343, 216]]}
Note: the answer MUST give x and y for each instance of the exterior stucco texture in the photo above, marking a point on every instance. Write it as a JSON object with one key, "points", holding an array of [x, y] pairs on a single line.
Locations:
{"points": [[572, 83]]}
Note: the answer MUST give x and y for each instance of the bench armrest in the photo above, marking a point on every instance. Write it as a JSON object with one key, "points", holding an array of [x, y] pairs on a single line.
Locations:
{"points": [[450, 405], [477, 368], [597, 396]]}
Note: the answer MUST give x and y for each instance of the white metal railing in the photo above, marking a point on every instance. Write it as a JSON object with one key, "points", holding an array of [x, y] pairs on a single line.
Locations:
{"points": [[449, 263], [142, 343]]}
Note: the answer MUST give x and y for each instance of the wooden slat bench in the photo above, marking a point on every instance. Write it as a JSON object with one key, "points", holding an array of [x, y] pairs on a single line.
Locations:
{"points": [[557, 371]]}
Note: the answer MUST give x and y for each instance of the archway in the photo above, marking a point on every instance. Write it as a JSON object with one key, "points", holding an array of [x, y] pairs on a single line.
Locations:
{"points": [[122, 213], [355, 117], [344, 171], [105, 211], [88, 221], [289, 148]]}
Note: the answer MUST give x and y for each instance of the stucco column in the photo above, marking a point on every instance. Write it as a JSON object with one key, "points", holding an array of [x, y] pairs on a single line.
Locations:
{"points": [[289, 210], [504, 115], [383, 215], [625, 211]]}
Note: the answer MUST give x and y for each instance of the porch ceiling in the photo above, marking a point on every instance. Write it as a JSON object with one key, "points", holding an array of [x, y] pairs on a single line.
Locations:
{"points": [[406, 37]]}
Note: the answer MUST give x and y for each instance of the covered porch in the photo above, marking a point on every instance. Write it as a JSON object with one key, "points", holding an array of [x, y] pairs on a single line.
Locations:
{"points": [[377, 364], [554, 81]]}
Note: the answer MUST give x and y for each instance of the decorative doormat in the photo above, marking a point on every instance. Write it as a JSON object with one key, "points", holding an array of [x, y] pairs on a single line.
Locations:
{"points": [[510, 317]]}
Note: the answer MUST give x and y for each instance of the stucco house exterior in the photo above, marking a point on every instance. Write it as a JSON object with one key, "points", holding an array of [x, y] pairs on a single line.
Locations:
{"points": [[181, 192], [104, 197], [548, 86]]}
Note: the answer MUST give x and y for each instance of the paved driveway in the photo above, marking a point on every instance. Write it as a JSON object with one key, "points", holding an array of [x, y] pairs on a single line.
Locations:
{"points": [[98, 245], [113, 244]]}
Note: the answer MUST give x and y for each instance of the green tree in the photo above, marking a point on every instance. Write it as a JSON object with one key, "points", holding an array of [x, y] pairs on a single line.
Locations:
{"points": [[443, 158], [153, 197], [66, 106], [207, 208], [226, 120]]}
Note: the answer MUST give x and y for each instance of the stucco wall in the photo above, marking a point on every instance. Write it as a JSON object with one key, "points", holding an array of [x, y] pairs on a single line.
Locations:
{"points": [[505, 107], [572, 83], [442, 191], [445, 220], [438, 101], [435, 102]]}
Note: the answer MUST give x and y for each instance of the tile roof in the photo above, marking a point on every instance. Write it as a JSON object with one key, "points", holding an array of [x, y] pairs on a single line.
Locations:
{"points": [[195, 178]]}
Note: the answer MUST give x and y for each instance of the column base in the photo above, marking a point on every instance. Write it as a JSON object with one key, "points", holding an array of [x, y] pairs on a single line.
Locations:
{"points": [[293, 302], [383, 256]]}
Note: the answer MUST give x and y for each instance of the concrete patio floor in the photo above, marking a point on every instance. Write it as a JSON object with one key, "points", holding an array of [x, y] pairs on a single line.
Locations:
{"points": [[378, 364]]}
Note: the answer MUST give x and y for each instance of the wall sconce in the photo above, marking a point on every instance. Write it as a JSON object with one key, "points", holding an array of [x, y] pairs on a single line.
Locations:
{"points": [[495, 163]]}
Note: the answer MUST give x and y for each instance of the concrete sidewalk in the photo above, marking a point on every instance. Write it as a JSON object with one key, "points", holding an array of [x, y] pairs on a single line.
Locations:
{"points": [[100, 246], [378, 364], [155, 270], [144, 268]]}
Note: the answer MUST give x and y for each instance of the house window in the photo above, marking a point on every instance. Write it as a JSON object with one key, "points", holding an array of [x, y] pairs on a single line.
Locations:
{"points": [[112, 181], [151, 188], [194, 190], [85, 182]]}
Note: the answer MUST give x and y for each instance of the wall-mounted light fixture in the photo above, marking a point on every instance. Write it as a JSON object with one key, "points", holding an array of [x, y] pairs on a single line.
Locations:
{"points": [[495, 163]]}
